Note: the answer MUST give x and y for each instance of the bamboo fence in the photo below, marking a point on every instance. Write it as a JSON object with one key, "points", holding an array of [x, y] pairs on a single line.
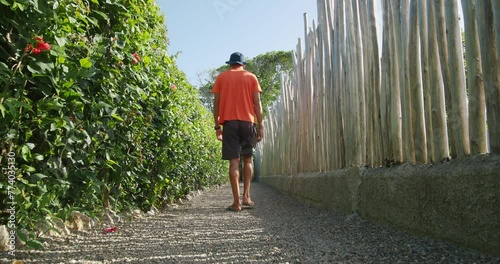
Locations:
{"points": [[349, 102]]}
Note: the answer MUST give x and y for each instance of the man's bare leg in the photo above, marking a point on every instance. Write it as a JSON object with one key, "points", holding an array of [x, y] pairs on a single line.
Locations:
{"points": [[247, 179], [234, 177]]}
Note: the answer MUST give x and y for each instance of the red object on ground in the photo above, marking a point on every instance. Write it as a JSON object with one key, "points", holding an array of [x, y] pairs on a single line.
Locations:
{"points": [[109, 230]]}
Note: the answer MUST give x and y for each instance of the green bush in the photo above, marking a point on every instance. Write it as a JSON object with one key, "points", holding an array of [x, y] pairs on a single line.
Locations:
{"points": [[96, 111]]}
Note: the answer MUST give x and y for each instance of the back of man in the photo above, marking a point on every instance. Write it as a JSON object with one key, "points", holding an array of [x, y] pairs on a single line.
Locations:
{"points": [[238, 109], [236, 87]]}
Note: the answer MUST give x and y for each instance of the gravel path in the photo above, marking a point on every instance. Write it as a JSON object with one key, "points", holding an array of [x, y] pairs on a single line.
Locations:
{"points": [[277, 230]]}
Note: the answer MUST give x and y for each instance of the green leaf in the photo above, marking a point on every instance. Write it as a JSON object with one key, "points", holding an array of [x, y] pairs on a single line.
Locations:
{"points": [[70, 95], [12, 134], [68, 83], [35, 244], [18, 5], [37, 176], [38, 157], [86, 73], [28, 168], [93, 21], [2, 109], [13, 104], [115, 116], [35, 4], [72, 20], [22, 236], [61, 41], [41, 68], [28, 135], [26, 153], [85, 63], [101, 14], [4, 67]]}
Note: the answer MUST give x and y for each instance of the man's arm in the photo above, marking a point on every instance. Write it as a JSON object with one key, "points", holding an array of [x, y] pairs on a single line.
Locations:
{"points": [[258, 112], [216, 116], [216, 109]]}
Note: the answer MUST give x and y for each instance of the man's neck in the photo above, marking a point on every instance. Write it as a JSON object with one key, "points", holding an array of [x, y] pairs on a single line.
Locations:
{"points": [[236, 67]]}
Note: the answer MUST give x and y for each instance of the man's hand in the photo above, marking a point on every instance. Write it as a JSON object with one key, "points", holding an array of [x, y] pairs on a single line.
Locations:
{"points": [[260, 133], [219, 134]]}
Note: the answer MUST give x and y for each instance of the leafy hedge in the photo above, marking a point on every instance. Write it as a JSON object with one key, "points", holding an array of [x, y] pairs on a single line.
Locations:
{"points": [[96, 111]]}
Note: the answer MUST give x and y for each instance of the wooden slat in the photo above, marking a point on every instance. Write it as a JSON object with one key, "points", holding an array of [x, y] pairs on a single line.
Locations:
{"points": [[491, 71]]}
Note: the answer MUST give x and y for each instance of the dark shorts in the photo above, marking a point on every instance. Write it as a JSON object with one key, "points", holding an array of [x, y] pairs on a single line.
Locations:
{"points": [[238, 137]]}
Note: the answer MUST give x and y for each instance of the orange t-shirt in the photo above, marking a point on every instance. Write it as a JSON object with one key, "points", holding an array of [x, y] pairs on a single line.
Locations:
{"points": [[235, 88]]}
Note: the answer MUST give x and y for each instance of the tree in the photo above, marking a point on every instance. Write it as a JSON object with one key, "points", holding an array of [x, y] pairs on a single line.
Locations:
{"points": [[268, 68]]}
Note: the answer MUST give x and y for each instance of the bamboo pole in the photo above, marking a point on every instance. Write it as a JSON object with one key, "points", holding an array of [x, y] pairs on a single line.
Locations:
{"points": [[310, 130], [301, 105], [395, 86], [491, 70], [436, 83], [496, 15], [406, 100], [460, 114], [385, 86], [367, 67], [340, 87], [361, 102], [351, 92], [315, 113], [335, 136], [296, 115], [325, 24], [416, 89], [477, 101], [320, 84], [375, 82], [348, 93], [440, 24], [424, 51], [342, 42]]}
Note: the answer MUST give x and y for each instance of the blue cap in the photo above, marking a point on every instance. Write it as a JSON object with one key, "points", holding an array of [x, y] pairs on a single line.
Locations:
{"points": [[237, 58]]}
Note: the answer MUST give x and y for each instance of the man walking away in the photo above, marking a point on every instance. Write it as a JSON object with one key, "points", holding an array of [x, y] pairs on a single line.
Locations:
{"points": [[238, 109]]}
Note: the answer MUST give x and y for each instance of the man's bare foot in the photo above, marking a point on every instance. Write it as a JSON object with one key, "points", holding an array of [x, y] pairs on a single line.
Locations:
{"points": [[248, 203], [234, 208]]}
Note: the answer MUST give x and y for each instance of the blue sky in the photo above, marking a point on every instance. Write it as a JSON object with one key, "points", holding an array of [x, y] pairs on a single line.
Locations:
{"points": [[206, 32]]}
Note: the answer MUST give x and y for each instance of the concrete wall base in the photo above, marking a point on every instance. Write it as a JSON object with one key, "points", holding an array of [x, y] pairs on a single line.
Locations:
{"points": [[457, 201]]}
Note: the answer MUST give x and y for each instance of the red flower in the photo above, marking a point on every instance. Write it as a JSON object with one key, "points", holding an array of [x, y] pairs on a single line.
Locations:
{"points": [[36, 51], [28, 48], [173, 87], [43, 46], [40, 46], [136, 58]]}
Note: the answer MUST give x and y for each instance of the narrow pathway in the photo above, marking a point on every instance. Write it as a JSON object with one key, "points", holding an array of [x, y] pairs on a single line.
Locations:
{"points": [[277, 230]]}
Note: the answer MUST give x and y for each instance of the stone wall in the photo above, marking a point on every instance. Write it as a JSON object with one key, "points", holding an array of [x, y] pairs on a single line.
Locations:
{"points": [[457, 201]]}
